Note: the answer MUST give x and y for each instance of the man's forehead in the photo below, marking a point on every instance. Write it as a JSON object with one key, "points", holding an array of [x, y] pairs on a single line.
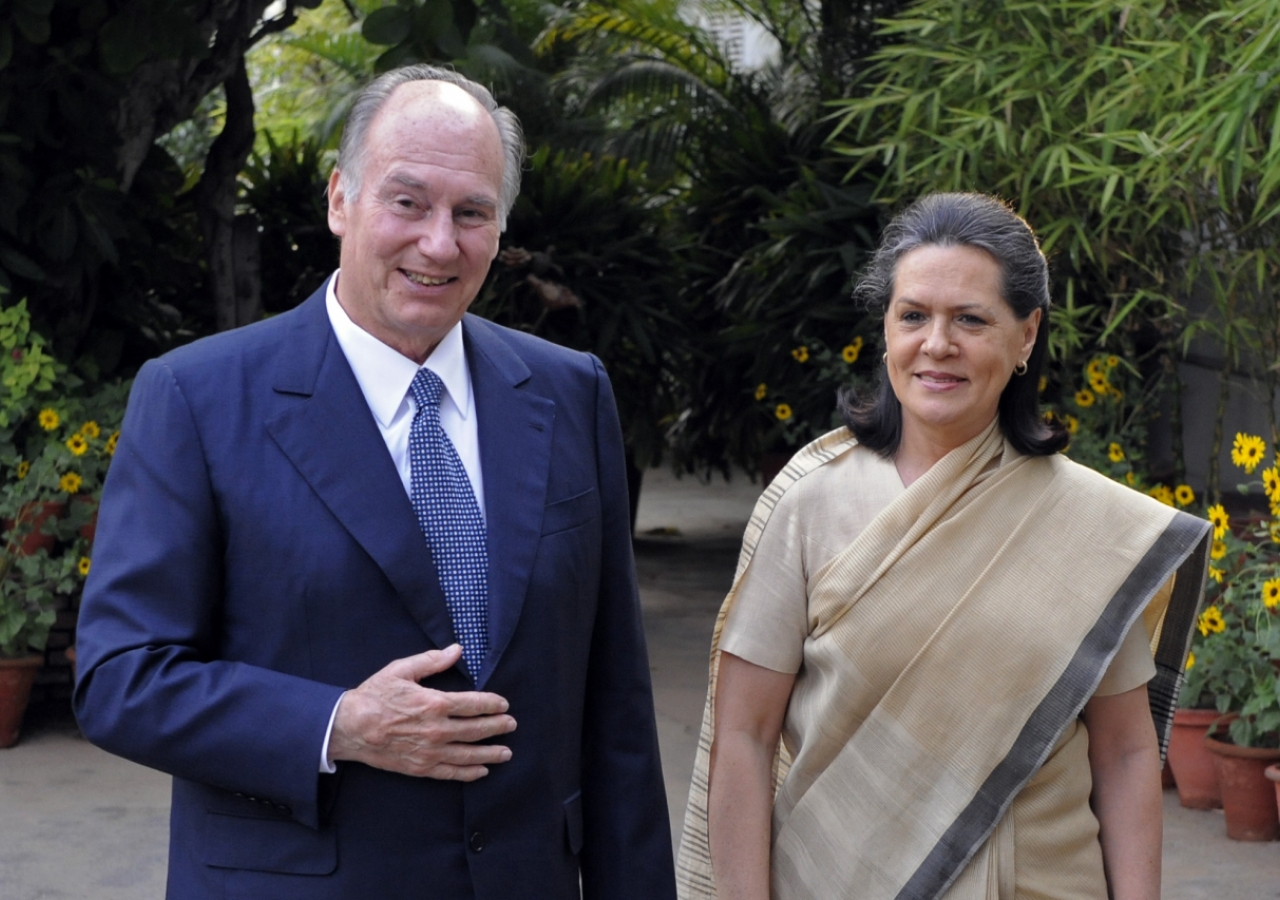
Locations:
{"points": [[435, 99]]}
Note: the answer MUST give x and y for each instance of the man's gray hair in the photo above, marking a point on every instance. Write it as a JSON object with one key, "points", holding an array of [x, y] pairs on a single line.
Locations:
{"points": [[351, 151]]}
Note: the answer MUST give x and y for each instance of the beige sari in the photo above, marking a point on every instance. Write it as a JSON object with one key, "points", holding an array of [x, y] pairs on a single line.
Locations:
{"points": [[1005, 585]]}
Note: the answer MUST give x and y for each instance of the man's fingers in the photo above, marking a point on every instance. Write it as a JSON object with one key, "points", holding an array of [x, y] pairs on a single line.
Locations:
{"points": [[423, 665], [465, 704], [468, 730]]}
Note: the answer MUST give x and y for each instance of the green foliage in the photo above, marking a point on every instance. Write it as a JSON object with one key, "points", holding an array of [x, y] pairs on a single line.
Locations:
{"points": [[27, 370], [284, 187], [1106, 410], [1035, 102], [777, 246], [477, 39], [55, 448], [585, 265], [1139, 139]]}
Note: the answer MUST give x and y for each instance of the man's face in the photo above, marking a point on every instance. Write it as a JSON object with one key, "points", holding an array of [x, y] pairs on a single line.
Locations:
{"points": [[418, 239]]}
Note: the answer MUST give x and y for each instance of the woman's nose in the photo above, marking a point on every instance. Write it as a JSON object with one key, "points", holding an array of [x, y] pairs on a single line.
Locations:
{"points": [[937, 342]]}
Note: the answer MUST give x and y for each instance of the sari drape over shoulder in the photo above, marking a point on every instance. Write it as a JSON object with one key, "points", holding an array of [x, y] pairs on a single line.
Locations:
{"points": [[1006, 584]]}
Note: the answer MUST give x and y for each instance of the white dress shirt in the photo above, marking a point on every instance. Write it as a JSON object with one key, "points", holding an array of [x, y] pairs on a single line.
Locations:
{"points": [[384, 376]]}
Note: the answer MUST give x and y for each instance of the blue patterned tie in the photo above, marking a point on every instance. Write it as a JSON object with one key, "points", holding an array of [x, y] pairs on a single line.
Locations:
{"points": [[450, 518]]}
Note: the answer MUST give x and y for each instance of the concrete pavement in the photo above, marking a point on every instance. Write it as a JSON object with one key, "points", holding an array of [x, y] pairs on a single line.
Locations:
{"points": [[78, 823]]}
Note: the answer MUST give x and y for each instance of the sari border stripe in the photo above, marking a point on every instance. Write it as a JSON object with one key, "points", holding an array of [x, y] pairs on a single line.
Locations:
{"points": [[1063, 703], [1175, 636]]}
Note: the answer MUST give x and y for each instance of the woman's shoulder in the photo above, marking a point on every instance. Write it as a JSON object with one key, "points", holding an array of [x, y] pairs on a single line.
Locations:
{"points": [[829, 476]]}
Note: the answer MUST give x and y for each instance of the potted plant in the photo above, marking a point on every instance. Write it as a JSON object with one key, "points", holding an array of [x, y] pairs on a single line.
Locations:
{"points": [[1241, 627], [56, 442]]}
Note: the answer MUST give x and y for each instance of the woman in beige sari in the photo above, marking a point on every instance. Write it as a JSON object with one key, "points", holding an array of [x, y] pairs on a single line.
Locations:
{"points": [[934, 674]]}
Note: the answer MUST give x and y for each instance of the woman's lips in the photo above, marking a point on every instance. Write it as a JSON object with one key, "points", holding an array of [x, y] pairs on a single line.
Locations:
{"points": [[939, 381]]}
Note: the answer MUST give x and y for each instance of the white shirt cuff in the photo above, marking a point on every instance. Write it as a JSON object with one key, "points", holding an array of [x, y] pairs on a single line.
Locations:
{"points": [[327, 767]]}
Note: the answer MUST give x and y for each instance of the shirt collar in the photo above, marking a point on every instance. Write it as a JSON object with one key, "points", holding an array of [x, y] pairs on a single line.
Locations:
{"points": [[384, 374]]}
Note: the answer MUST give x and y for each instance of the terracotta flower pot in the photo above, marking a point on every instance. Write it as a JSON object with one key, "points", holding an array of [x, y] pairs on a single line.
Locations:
{"points": [[1190, 761], [1248, 799], [37, 539], [1273, 774], [16, 678]]}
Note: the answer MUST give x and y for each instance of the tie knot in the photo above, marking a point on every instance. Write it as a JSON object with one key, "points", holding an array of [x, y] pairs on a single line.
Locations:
{"points": [[426, 388]]}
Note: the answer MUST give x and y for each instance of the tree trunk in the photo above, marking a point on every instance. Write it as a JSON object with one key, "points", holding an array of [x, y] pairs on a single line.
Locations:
{"points": [[216, 202]]}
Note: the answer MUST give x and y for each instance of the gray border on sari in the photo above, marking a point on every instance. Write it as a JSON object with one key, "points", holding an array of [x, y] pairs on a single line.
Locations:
{"points": [[1174, 549]]}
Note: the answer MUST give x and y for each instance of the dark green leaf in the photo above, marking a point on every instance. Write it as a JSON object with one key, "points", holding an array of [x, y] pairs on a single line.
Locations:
{"points": [[6, 44], [34, 27], [387, 26], [122, 45], [20, 265]]}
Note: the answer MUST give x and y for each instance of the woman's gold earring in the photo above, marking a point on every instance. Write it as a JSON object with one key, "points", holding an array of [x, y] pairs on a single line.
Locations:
{"points": [[1020, 368]]}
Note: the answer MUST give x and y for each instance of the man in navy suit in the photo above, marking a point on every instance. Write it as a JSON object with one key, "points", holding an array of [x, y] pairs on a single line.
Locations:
{"points": [[270, 619]]}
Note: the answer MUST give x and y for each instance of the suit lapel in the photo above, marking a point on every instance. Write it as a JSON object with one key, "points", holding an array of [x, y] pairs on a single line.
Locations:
{"points": [[330, 436], [515, 428]]}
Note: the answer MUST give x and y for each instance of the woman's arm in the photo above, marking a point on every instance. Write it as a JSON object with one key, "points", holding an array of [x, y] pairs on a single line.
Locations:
{"points": [[751, 702], [1124, 757]]}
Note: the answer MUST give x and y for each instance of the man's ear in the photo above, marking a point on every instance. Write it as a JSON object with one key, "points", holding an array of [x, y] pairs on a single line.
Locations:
{"points": [[337, 204]]}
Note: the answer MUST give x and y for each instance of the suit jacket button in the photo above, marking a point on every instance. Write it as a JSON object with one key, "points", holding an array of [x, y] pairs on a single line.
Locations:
{"points": [[477, 842]]}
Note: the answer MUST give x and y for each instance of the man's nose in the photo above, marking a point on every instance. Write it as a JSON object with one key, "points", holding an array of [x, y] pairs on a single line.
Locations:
{"points": [[438, 238]]}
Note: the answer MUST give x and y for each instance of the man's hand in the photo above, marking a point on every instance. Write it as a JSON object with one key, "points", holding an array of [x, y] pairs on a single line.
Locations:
{"points": [[391, 722]]}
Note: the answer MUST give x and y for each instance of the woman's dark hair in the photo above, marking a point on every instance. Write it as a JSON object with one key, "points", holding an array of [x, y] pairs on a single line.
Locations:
{"points": [[962, 220]]}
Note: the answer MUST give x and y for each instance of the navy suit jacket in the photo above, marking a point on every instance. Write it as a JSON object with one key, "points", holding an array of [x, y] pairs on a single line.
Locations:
{"points": [[257, 554]]}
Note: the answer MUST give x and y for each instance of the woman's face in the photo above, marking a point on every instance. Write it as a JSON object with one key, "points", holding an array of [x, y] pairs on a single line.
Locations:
{"points": [[952, 342]]}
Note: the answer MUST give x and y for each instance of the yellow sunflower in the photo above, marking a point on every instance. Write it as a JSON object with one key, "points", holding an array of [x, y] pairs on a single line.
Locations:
{"points": [[83, 566], [1271, 593], [761, 390], [90, 429], [1275, 531], [783, 412], [1085, 398], [110, 446], [1211, 621], [851, 350], [1113, 361], [1072, 423], [1099, 384], [23, 468], [1130, 479], [1216, 574], [70, 482], [1115, 452], [1162, 493], [1191, 661], [1095, 368], [77, 444], [1218, 517], [1184, 495], [800, 354], [1271, 482], [1218, 549], [49, 419], [1044, 383], [1247, 451]]}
